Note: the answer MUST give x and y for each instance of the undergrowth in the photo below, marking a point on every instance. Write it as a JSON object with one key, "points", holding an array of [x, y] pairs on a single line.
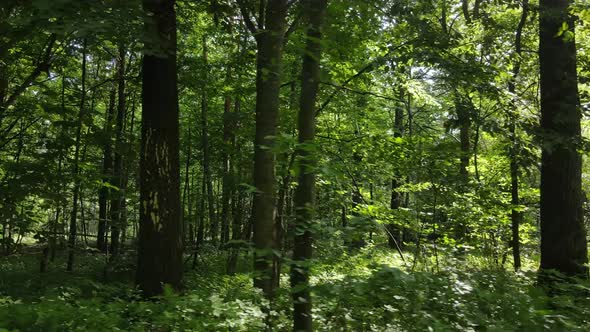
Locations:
{"points": [[370, 290]]}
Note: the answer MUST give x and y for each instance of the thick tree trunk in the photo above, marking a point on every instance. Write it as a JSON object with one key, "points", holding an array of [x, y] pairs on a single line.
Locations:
{"points": [[160, 238], [107, 169], [516, 215], [268, 79], [315, 11], [76, 166], [563, 238], [118, 196]]}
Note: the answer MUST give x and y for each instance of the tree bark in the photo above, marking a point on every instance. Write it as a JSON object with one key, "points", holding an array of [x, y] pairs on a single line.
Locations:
{"points": [[186, 200], [160, 238], [516, 215], [107, 170], [464, 119], [201, 216], [465, 8], [228, 185], [76, 166], [563, 238], [394, 231], [269, 37], [208, 182], [315, 11], [237, 204], [118, 196], [58, 208], [54, 226]]}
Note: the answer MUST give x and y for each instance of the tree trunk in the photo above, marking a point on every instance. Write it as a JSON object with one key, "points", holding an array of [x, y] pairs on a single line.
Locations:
{"points": [[58, 208], [237, 204], [563, 238], [160, 238], [186, 201], [83, 219], [516, 215], [465, 8], [201, 216], [357, 236], [191, 223], [54, 226], [280, 214], [394, 231], [107, 169], [118, 196], [315, 11], [76, 166], [125, 175], [227, 151], [237, 235], [268, 78], [464, 119], [208, 182]]}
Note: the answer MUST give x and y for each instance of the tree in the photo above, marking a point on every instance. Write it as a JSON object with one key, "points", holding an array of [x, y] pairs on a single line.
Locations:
{"points": [[118, 170], [314, 12], [516, 215], [563, 238], [107, 170], [160, 238], [76, 165], [269, 38], [207, 180]]}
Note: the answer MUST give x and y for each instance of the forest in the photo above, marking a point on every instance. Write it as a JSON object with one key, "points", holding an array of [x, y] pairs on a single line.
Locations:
{"points": [[294, 165]]}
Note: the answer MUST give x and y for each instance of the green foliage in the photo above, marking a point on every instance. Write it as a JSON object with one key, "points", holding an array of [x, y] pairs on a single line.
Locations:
{"points": [[367, 291], [449, 300], [404, 85]]}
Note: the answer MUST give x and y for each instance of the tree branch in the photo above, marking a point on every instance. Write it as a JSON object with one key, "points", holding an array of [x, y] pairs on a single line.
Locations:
{"points": [[247, 19], [291, 3], [42, 65], [362, 92], [261, 15], [292, 28], [367, 68]]}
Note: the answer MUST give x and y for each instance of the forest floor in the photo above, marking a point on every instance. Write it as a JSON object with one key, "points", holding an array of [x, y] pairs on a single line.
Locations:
{"points": [[370, 290]]}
